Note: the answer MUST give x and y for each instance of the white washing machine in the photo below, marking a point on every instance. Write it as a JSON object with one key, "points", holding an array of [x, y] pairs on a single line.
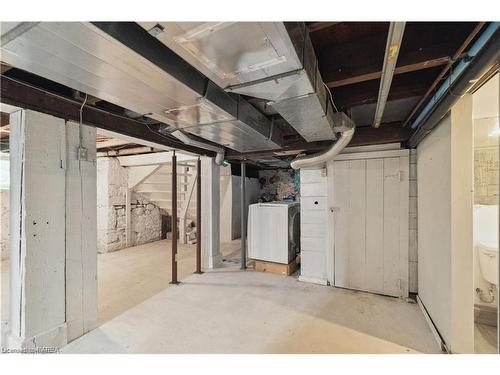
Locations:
{"points": [[274, 231]]}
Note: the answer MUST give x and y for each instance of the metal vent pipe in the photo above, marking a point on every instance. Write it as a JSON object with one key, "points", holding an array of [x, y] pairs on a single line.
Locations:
{"points": [[319, 159]]}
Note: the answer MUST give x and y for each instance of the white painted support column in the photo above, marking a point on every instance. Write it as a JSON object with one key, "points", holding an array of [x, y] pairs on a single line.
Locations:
{"points": [[313, 225], [53, 241], [37, 177], [210, 212], [128, 217], [81, 231], [462, 198]]}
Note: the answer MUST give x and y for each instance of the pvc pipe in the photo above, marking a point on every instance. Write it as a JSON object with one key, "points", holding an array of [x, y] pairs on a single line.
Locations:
{"points": [[443, 89], [483, 61]]}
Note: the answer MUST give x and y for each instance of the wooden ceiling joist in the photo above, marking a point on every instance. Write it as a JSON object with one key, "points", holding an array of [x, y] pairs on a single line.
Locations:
{"points": [[316, 26], [363, 136], [399, 70]]}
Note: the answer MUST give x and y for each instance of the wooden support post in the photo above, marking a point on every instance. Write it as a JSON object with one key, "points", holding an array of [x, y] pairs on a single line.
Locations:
{"points": [[174, 220], [198, 216]]}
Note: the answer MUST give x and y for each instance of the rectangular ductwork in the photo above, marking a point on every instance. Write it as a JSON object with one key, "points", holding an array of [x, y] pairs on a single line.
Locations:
{"points": [[121, 63], [274, 61]]}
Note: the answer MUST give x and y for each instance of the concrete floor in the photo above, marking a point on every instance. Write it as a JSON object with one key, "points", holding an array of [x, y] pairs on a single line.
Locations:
{"points": [[229, 311], [126, 277], [4, 298], [130, 276], [485, 339]]}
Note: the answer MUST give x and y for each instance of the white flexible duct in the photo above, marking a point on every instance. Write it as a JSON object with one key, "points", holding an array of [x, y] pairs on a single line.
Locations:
{"points": [[317, 160], [219, 158]]}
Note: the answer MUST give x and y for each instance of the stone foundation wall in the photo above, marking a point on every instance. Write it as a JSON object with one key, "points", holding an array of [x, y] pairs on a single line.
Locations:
{"points": [[111, 217], [145, 221], [279, 183]]}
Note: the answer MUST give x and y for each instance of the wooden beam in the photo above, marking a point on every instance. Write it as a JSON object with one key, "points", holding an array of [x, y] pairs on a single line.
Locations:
{"points": [[4, 68], [128, 151], [113, 142], [316, 26], [20, 94], [399, 70], [4, 125], [4, 119], [364, 136], [153, 159], [403, 86]]}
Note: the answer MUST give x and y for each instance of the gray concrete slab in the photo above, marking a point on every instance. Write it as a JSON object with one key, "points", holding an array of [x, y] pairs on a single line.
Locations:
{"points": [[229, 311]]}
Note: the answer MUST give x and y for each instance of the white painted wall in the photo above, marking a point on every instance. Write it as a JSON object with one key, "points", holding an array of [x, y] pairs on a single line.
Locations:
{"points": [[412, 225], [210, 214], [252, 195], [434, 224], [230, 198], [462, 242], [445, 279]]}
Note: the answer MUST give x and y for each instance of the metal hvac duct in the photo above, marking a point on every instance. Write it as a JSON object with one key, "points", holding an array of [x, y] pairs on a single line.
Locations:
{"points": [[121, 63], [274, 61]]}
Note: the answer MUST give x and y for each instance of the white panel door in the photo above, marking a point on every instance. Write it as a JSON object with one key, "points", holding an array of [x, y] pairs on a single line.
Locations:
{"points": [[370, 199]]}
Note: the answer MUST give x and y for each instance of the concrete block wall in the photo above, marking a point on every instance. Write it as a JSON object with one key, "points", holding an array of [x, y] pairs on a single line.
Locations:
{"points": [[413, 227], [112, 186]]}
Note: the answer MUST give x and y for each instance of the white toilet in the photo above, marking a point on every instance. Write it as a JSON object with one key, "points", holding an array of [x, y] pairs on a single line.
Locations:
{"points": [[486, 241]]}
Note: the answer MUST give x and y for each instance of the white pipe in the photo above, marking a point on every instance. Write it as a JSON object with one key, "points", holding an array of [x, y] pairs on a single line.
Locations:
{"points": [[317, 160], [219, 158]]}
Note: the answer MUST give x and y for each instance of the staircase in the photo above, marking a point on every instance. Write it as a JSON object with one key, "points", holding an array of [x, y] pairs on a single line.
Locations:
{"points": [[157, 187]]}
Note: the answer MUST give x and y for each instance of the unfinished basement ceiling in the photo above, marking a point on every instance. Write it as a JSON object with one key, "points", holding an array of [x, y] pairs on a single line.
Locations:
{"points": [[162, 89]]}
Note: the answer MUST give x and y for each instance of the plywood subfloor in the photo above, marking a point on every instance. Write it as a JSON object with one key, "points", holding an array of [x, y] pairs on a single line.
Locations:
{"points": [[230, 311]]}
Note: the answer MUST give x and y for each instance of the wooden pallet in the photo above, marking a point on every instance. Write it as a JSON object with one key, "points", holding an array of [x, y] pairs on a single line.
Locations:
{"points": [[276, 268]]}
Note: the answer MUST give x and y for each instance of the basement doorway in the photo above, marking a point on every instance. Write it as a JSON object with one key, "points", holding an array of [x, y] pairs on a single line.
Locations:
{"points": [[134, 221]]}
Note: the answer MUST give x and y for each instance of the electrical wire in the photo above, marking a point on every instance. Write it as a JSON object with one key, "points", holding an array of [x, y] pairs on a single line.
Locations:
{"points": [[81, 120], [331, 96]]}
